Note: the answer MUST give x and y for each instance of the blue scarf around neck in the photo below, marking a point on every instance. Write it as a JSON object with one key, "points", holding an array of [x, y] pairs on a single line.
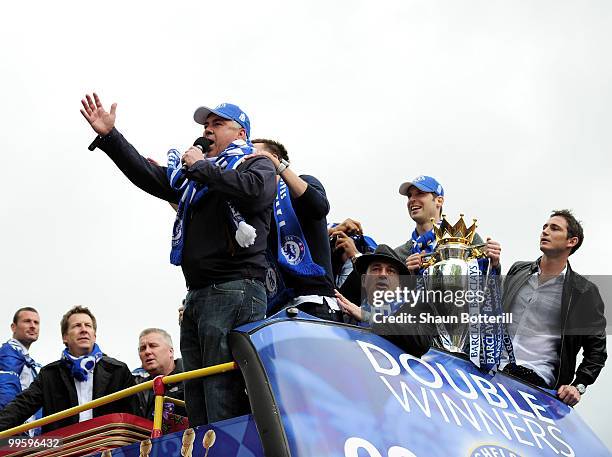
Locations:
{"points": [[425, 242], [192, 192], [80, 367], [23, 356]]}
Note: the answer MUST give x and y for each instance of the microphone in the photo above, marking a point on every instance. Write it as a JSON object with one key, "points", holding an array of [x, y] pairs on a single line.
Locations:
{"points": [[203, 144]]}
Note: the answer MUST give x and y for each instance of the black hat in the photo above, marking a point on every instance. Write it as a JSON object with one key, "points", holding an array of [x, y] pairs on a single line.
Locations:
{"points": [[382, 253]]}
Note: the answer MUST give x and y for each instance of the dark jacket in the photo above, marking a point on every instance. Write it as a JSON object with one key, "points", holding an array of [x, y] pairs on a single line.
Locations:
{"points": [[146, 398], [210, 252], [54, 390], [582, 325]]}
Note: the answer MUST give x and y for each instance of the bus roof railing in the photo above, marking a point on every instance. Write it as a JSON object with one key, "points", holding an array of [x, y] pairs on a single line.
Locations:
{"points": [[160, 380]]}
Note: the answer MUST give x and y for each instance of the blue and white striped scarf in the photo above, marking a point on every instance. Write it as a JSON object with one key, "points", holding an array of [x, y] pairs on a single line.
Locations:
{"points": [[23, 357], [14, 358], [191, 192]]}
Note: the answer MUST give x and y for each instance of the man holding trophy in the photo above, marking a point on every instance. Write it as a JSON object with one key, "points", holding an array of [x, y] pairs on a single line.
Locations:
{"points": [[456, 277], [425, 199]]}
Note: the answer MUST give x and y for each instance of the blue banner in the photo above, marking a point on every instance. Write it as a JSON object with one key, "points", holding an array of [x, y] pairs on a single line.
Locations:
{"points": [[341, 391], [345, 392]]}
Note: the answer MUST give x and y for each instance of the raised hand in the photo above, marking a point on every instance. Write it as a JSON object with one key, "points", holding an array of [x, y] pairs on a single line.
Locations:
{"points": [[345, 243], [100, 120], [191, 156], [493, 251], [349, 226]]}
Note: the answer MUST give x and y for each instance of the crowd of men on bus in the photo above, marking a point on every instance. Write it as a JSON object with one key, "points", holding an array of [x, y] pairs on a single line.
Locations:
{"points": [[252, 238]]}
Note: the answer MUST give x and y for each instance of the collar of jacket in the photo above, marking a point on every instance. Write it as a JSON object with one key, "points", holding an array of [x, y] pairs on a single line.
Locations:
{"points": [[572, 279]]}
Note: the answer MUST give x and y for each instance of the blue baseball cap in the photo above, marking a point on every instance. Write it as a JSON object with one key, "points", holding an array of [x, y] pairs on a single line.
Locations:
{"points": [[226, 111], [423, 183]]}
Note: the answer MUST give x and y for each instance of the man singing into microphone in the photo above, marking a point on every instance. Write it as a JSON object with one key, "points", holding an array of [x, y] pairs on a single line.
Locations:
{"points": [[217, 196]]}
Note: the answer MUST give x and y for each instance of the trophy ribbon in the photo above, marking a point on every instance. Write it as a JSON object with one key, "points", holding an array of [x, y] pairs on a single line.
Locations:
{"points": [[495, 337], [474, 284]]}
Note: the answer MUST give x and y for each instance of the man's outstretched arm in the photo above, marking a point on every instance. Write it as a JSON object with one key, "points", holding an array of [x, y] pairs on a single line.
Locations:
{"points": [[148, 176]]}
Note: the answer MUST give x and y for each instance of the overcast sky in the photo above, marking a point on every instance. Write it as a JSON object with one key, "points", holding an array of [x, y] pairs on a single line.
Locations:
{"points": [[508, 104]]}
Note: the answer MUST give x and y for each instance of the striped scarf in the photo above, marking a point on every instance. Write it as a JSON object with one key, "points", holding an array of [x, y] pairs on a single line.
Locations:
{"points": [[191, 192]]}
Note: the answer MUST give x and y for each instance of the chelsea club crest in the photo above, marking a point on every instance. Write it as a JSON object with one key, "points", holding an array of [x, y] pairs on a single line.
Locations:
{"points": [[271, 282], [293, 249], [177, 231]]}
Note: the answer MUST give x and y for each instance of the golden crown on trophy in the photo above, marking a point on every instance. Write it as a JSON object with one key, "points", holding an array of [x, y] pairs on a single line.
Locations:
{"points": [[454, 242], [458, 233]]}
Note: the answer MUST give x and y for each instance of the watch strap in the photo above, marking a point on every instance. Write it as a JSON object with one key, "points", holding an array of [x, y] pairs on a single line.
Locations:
{"points": [[282, 166]]}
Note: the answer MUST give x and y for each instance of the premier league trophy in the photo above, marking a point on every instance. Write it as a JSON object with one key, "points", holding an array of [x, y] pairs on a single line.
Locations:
{"points": [[450, 272], [447, 268]]}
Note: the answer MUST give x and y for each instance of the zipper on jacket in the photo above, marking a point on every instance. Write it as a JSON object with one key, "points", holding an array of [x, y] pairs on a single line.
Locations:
{"points": [[569, 304]]}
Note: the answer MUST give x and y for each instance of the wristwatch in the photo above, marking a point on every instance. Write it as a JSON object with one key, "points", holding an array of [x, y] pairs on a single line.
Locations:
{"points": [[581, 388], [282, 166], [355, 257]]}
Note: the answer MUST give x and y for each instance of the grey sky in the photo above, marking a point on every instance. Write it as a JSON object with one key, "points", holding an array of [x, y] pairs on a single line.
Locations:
{"points": [[508, 104]]}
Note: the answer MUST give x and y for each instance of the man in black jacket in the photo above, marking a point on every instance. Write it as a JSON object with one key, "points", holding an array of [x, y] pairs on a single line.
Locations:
{"points": [[224, 274], [555, 313], [83, 374]]}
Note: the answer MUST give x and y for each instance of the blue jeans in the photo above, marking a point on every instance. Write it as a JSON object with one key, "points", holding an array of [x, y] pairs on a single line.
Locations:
{"points": [[210, 313]]}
